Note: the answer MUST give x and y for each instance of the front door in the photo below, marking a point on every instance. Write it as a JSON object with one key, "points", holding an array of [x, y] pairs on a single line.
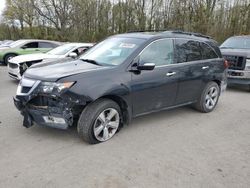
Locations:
{"points": [[155, 89]]}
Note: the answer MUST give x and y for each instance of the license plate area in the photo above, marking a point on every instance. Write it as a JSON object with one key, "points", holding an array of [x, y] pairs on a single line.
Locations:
{"points": [[56, 120]]}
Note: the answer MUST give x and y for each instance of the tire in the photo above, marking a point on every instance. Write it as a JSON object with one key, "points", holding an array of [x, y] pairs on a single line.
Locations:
{"points": [[8, 57], [95, 118], [208, 98]]}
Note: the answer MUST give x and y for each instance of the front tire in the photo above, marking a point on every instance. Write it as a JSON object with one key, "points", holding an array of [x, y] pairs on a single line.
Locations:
{"points": [[208, 98], [8, 57], [99, 121]]}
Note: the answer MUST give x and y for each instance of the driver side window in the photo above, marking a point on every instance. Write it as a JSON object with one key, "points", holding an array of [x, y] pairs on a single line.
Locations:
{"points": [[31, 45], [159, 52]]}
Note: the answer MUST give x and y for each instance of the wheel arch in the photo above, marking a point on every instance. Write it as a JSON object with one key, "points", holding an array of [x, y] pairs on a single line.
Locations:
{"points": [[217, 82], [9, 53], [126, 113]]}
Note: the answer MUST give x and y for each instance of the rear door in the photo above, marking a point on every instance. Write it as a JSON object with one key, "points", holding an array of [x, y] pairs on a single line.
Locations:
{"points": [[192, 70], [45, 46], [155, 89]]}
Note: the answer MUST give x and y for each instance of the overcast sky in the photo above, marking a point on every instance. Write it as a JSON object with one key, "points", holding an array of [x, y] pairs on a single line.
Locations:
{"points": [[2, 5]]}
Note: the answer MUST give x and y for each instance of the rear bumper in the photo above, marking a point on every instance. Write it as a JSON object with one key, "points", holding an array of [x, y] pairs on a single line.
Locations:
{"points": [[223, 86]]}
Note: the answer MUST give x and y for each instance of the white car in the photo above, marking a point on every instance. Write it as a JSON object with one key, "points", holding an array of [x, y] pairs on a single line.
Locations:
{"points": [[18, 65]]}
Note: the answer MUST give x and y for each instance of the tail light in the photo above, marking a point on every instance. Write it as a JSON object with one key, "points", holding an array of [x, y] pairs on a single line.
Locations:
{"points": [[226, 64]]}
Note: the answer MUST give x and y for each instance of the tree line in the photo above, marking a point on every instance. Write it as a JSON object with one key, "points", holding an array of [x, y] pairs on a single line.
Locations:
{"points": [[93, 20]]}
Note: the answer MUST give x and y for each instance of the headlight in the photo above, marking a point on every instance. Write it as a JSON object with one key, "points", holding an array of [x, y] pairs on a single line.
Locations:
{"points": [[49, 87], [248, 63]]}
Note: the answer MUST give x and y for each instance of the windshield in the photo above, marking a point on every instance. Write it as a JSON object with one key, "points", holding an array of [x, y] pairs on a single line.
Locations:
{"points": [[61, 50], [112, 51], [16, 43], [237, 42]]}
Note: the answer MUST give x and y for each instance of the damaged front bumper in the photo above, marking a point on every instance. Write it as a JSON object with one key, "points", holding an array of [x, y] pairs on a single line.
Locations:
{"points": [[56, 117], [57, 110]]}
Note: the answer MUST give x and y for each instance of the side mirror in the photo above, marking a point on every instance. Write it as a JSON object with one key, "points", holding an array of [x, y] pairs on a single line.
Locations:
{"points": [[146, 66], [24, 47], [72, 55]]}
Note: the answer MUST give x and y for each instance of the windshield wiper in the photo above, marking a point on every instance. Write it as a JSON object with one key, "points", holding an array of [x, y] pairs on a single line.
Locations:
{"points": [[91, 61]]}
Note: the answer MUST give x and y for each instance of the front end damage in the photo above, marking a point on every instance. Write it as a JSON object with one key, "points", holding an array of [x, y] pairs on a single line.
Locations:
{"points": [[54, 109]]}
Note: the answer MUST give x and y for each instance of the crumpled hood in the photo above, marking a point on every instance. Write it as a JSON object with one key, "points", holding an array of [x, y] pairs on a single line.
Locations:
{"points": [[52, 71], [236, 52], [32, 57]]}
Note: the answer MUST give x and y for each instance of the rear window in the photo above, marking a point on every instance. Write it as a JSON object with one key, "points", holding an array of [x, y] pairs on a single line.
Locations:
{"points": [[207, 52], [46, 45]]}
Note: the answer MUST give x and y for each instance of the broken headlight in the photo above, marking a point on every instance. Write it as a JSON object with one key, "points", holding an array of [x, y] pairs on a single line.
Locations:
{"points": [[49, 87]]}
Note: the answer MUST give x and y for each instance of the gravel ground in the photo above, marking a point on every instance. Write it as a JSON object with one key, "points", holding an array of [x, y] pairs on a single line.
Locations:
{"points": [[177, 148]]}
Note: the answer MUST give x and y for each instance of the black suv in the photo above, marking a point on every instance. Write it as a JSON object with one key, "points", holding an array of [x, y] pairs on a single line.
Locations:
{"points": [[122, 77]]}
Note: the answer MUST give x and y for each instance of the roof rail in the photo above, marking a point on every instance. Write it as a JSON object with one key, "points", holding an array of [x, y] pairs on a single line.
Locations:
{"points": [[191, 34], [174, 32], [140, 31]]}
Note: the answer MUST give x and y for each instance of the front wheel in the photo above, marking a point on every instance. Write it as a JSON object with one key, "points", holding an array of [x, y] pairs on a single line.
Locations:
{"points": [[8, 57], [99, 121], [209, 98]]}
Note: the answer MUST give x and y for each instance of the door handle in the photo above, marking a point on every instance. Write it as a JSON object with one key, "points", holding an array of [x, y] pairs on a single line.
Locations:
{"points": [[170, 73], [206, 67]]}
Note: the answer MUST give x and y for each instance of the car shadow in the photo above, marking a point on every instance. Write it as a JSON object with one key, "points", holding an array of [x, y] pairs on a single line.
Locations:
{"points": [[242, 88], [163, 117]]}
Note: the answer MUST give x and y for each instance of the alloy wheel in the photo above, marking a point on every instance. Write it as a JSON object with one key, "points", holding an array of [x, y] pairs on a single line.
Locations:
{"points": [[106, 124], [211, 98]]}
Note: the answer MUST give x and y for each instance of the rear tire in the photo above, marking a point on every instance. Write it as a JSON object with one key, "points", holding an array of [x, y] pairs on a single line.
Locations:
{"points": [[208, 98], [99, 121], [8, 57]]}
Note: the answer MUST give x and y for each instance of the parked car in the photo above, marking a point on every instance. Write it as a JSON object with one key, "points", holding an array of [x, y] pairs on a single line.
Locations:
{"points": [[122, 77], [5, 43], [236, 50], [28, 46], [18, 65]]}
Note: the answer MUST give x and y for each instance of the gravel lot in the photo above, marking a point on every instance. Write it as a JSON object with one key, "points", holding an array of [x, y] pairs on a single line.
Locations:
{"points": [[177, 148]]}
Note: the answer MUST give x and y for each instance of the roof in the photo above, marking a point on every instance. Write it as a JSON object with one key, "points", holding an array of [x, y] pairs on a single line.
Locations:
{"points": [[78, 44], [165, 34], [39, 40], [241, 36]]}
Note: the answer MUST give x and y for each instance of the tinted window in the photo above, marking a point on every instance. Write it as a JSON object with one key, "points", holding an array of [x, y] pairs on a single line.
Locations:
{"points": [[207, 51], [187, 50], [46, 45], [31, 45], [159, 52]]}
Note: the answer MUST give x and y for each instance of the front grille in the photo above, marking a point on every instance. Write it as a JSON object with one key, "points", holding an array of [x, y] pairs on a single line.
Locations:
{"points": [[236, 62], [13, 65]]}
